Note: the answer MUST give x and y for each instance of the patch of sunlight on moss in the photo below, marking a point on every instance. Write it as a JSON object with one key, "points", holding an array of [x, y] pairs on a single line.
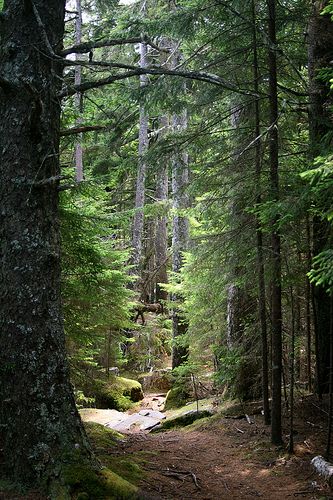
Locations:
{"points": [[127, 468], [204, 404], [101, 436], [86, 483]]}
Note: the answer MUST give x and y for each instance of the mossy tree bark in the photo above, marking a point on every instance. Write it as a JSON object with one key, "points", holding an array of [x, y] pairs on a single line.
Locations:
{"points": [[39, 424]]}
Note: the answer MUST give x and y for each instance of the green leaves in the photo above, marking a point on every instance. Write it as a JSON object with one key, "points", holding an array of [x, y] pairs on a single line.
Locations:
{"points": [[322, 272]]}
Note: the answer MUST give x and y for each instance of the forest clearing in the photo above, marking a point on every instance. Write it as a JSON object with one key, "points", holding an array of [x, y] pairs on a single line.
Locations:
{"points": [[166, 258]]}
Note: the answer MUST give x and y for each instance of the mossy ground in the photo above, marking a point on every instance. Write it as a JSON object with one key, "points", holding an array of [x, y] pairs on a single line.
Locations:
{"points": [[88, 484], [103, 440], [102, 437]]}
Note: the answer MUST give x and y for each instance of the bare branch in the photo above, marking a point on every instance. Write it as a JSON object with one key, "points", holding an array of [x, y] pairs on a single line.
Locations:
{"points": [[43, 30], [83, 48]]}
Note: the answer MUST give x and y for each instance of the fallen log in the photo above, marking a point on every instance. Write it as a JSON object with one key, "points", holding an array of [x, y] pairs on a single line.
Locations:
{"points": [[323, 468]]}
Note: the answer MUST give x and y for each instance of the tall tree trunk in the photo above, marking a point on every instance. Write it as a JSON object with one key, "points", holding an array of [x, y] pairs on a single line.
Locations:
{"points": [[308, 301], [161, 242], [180, 234], [320, 121], [138, 221], [260, 252], [78, 96], [275, 235], [39, 423]]}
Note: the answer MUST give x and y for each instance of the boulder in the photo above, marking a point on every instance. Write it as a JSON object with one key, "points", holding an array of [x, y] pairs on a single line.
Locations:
{"points": [[161, 380], [116, 393], [185, 419]]}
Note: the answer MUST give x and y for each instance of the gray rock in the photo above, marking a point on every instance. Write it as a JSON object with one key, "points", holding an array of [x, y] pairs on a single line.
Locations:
{"points": [[141, 422], [152, 414]]}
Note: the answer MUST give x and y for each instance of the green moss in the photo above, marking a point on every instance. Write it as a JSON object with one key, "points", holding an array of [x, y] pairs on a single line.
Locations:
{"points": [[184, 420], [176, 397], [117, 393], [127, 468], [86, 483], [102, 437]]}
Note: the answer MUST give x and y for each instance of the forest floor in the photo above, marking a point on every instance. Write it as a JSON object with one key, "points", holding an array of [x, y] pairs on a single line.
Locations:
{"points": [[224, 458]]}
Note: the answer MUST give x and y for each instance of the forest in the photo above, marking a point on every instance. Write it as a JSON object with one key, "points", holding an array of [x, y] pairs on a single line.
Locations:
{"points": [[166, 257]]}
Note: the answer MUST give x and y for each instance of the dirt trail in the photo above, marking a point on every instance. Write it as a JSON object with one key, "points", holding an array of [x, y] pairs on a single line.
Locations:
{"points": [[222, 460]]}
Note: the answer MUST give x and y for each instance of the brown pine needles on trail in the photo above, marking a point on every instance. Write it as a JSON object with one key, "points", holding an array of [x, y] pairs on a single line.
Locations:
{"points": [[214, 461]]}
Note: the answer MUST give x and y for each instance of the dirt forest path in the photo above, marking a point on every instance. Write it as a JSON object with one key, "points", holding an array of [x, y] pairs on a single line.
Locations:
{"points": [[226, 460]]}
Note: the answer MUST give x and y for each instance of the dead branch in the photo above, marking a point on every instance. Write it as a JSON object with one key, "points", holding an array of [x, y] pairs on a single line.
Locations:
{"points": [[80, 130], [181, 475], [83, 48]]}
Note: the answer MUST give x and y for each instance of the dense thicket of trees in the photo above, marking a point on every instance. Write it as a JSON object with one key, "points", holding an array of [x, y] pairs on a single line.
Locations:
{"points": [[205, 132]]}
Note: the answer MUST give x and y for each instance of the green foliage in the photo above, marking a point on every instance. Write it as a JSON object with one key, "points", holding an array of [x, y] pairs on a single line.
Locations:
{"points": [[328, 9], [94, 276], [321, 185], [322, 272]]}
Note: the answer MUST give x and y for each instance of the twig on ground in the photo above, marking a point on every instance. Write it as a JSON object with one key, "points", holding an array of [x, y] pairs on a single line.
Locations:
{"points": [[181, 475], [225, 485]]}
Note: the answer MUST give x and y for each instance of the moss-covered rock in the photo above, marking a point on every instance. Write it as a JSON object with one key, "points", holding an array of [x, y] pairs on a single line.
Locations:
{"points": [[185, 419], [87, 483], [161, 380], [177, 397], [116, 393]]}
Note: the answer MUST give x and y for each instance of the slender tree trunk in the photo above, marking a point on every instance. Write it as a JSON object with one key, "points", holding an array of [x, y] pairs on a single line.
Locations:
{"points": [[320, 122], [260, 252], [138, 222], [308, 302], [39, 423], [330, 407], [180, 235], [161, 242], [292, 372], [78, 96], [275, 236]]}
